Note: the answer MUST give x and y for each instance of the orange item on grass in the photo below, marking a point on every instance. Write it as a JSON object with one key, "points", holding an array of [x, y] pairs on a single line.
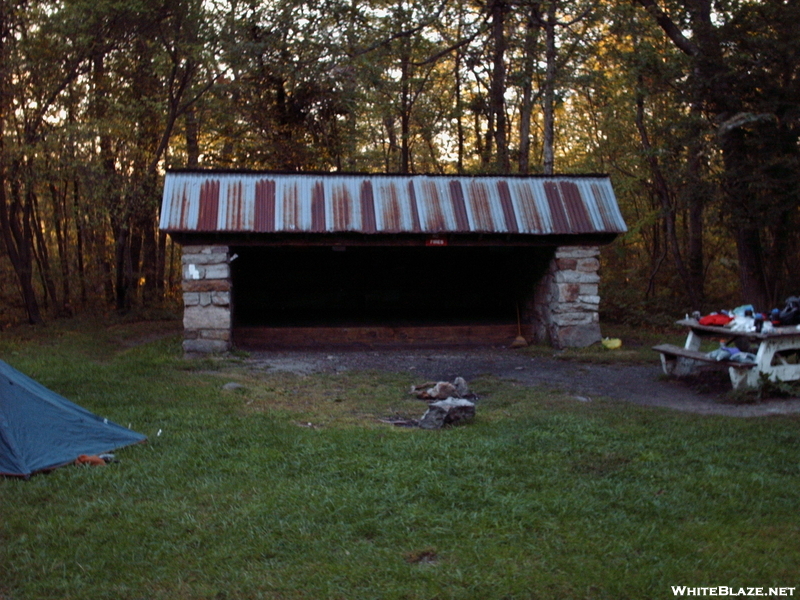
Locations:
{"points": [[94, 461]]}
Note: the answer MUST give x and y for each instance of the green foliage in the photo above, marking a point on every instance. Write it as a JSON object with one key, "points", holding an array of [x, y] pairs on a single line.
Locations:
{"points": [[541, 496], [768, 389]]}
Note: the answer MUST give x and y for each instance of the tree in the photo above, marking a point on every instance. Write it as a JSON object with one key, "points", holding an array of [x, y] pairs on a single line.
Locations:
{"points": [[743, 73], [38, 63], [155, 69]]}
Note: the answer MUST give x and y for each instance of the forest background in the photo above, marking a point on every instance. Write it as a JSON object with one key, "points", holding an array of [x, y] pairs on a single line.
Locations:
{"points": [[692, 107]]}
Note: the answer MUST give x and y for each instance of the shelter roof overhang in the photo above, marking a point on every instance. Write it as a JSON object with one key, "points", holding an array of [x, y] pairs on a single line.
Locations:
{"points": [[399, 239], [248, 207]]}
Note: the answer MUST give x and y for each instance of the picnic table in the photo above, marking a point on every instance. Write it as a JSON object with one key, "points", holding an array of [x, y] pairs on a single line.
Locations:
{"points": [[777, 353]]}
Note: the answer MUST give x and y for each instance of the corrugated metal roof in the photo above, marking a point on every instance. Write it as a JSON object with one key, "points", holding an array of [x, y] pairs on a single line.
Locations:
{"points": [[215, 201]]}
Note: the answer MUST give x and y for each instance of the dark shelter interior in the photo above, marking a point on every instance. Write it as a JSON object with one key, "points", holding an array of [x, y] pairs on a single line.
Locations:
{"points": [[286, 286]]}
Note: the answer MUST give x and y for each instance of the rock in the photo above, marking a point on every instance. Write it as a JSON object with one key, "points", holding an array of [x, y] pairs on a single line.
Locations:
{"points": [[442, 390], [206, 317], [421, 390], [232, 386], [461, 387], [447, 412]]}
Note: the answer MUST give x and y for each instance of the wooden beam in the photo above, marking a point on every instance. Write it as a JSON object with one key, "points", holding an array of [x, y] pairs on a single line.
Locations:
{"points": [[376, 336], [344, 239]]}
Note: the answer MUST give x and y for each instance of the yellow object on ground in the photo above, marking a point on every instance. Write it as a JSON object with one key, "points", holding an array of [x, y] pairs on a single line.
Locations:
{"points": [[612, 343]]}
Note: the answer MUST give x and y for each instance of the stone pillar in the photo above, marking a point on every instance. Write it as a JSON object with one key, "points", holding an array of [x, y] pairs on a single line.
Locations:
{"points": [[206, 299], [566, 302]]}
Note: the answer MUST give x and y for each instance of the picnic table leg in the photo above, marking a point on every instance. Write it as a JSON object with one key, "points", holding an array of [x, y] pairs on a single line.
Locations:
{"points": [[668, 363], [749, 378], [777, 368], [692, 341], [679, 366], [743, 378], [764, 356]]}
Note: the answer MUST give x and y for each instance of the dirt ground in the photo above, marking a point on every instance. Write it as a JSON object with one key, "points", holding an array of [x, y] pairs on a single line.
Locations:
{"points": [[584, 381]]}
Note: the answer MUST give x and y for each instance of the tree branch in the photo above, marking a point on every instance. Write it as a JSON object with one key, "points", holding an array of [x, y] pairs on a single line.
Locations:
{"points": [[674, 33], [449, 49], [401, 34]]}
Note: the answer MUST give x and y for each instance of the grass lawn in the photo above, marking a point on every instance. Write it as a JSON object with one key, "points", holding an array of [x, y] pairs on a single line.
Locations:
{"points": [[541, 497]]}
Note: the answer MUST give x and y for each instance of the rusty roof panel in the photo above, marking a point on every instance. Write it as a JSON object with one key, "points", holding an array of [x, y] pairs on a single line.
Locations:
{"points": [[367, 197], [341, 201], [483, 211], [416, 227], [532, 213], [432, 207], [507, 206], [205, 201], [459, 207], [556, 206], [579, 221], [288, 211], [237, 215], [179, 209], [264, 205], [220, 221], [318, 207], [208, 206], [393, 217], [605, 205]]}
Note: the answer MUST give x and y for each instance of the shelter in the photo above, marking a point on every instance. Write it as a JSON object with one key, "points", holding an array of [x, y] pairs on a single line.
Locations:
{"points": [[275, 259], [41, 430]]}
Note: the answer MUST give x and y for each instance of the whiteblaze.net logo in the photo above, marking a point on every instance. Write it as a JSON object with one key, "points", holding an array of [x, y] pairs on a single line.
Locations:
{"points": [[723, 590]]}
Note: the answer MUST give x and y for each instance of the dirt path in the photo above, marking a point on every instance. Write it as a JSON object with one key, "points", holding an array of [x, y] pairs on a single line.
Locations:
{"points": [[639, 384]]}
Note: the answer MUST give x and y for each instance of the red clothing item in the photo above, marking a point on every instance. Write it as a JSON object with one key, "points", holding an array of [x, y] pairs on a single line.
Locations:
{"points": [[718, 320]]}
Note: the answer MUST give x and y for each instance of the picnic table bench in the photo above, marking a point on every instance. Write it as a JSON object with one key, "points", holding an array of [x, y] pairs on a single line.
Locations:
{"points": [[776, 349]]}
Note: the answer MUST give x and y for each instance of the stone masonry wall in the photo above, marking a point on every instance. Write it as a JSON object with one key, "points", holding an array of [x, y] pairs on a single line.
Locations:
{"points": [[206, 299], [565, 304]]}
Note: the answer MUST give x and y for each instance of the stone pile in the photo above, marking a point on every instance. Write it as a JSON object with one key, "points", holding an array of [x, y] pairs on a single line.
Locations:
{"points": [[447, 412], [450, 405]]}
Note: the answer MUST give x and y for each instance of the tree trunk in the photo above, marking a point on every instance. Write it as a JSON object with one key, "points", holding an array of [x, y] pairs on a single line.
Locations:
{"points": [[18, 246], [751, 267], [551, 54], [393, 151], [122, 283], [746, 226], [497, 104], [526, 105], [479, 149], [697, 194], [192, 133], [61, 226], [459, 100], [79, 239], [40, 250], [405, 107], [133, 264], [149, 262], [162, 264]]}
